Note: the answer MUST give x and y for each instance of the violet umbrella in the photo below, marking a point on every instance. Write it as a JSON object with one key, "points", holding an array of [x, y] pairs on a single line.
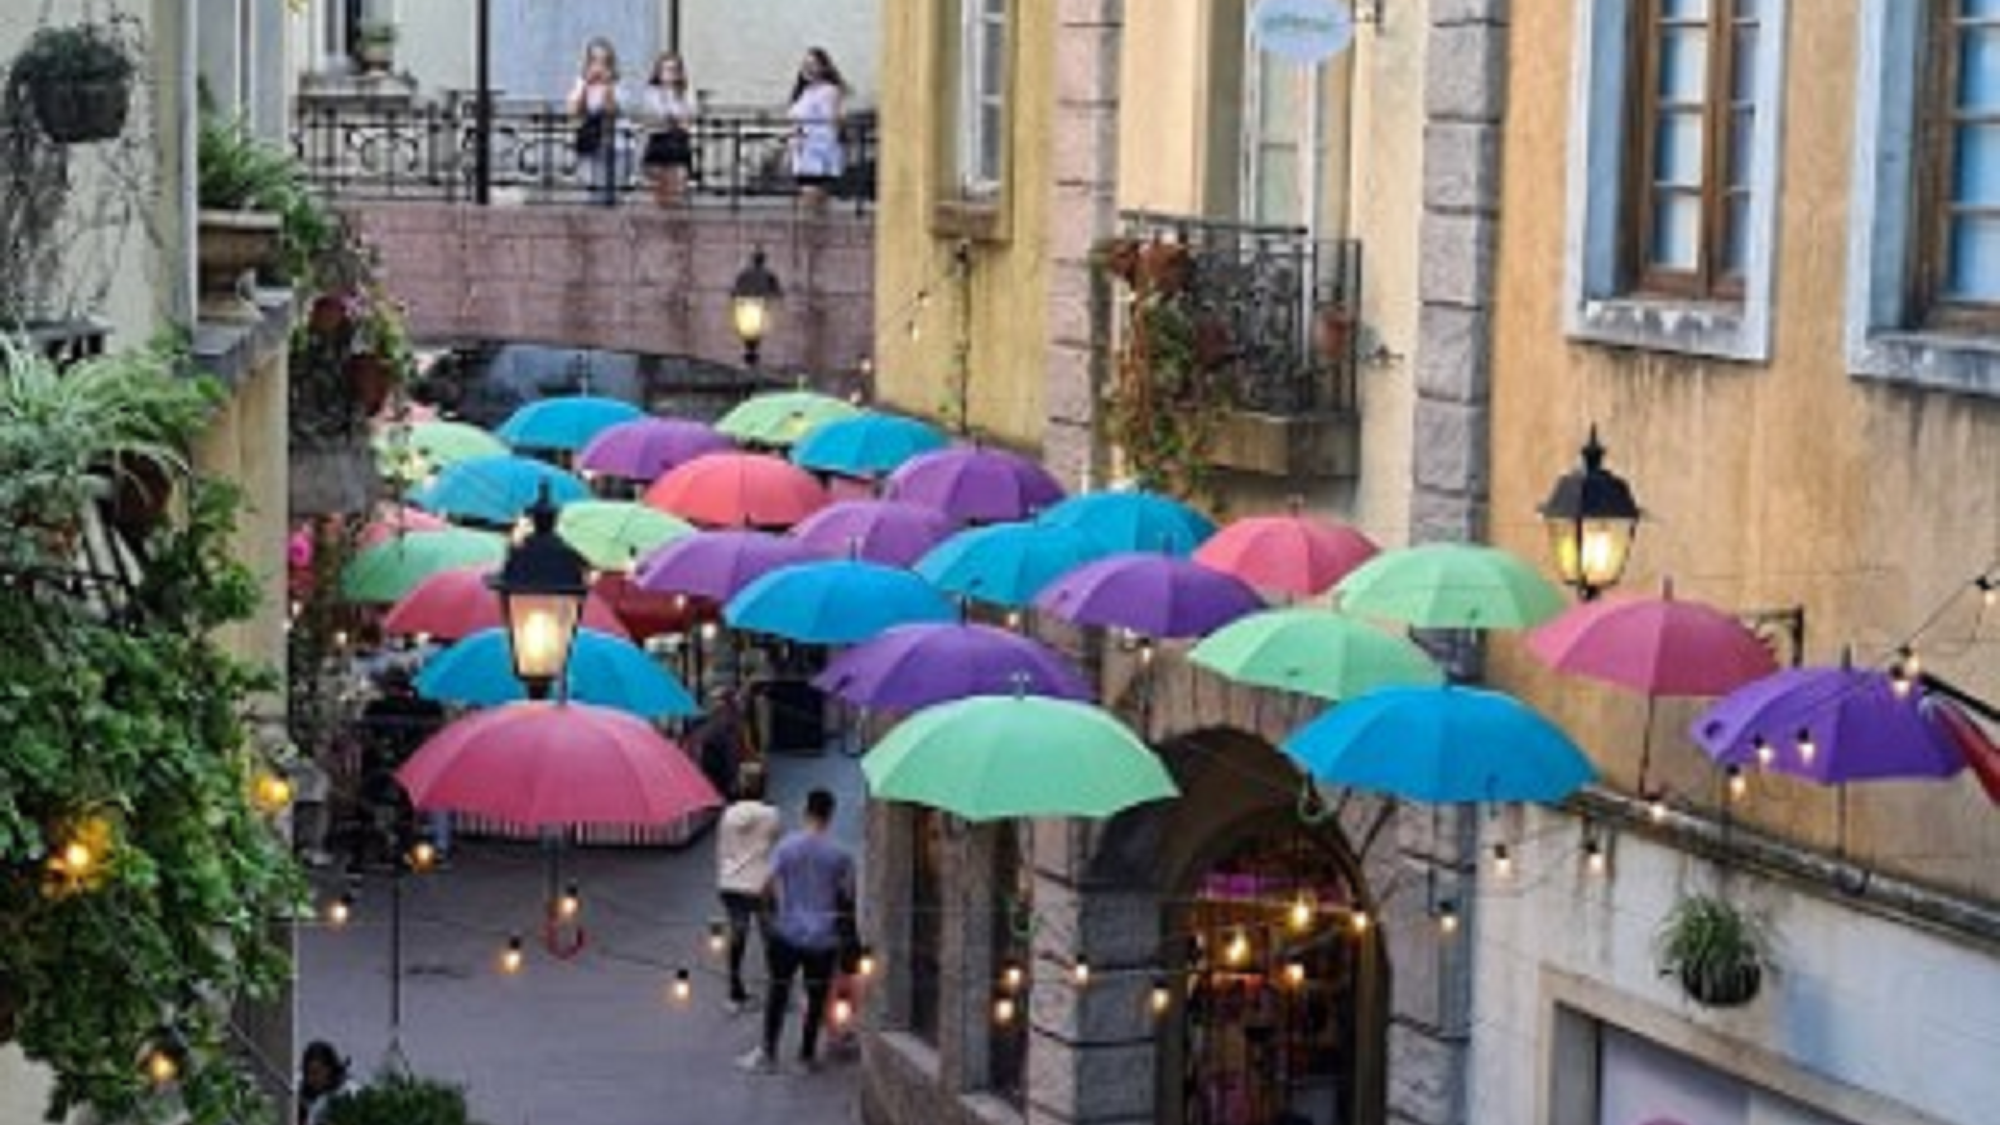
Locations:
{"points": [[717, 564], [1827, 725], [1149, 594], [884, 531], [912, 666], [973, 484], [645, 448]]}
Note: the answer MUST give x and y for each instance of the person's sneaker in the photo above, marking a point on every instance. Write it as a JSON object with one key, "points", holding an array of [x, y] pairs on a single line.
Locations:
{"points": [[737, 1005], [755, 1061]]}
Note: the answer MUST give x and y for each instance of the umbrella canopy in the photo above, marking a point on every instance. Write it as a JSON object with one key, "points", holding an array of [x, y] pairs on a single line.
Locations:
{"points": [[1294, 555], [869, 444], [1450, 586], [738, 490], [1829, 725], [391, 520], [603, 669], [452, 604], [413, 450], [644, 448], [1654, 646], [996, 757], [1441, 745], [884, 531], [564, 424], [494, 489], [1150, 594], [975, 485], [1134, 521], [914, 666], [780, 418], [385, 572], [717, 564], [548, 764], [645, 614], [1009, 563], [616, 534], [835, 603], [1313, 652]]}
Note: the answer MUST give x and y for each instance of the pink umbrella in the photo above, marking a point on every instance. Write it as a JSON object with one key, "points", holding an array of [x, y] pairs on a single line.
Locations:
{"points": [[974, 484], [453, 604], [738, 490], [883, 531], [644, 448], [716, 564], [391, 520], [1292, 554], [547, 764]]}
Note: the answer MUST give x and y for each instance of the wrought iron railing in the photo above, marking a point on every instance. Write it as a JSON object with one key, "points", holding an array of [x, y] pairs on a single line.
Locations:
{"points": [[428, 152], [1290, 303]]}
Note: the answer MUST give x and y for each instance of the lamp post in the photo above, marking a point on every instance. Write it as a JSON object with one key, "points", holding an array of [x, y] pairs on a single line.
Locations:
{"points": [[1591, 519], [542, 589], [753, 301]]}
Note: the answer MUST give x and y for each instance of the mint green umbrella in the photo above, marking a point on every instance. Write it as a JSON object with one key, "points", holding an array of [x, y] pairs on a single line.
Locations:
{"points": [[412, 451], [388, 570], [616, 534], [1450, 586], [783, 417], [995, 757], [1313, 652]]}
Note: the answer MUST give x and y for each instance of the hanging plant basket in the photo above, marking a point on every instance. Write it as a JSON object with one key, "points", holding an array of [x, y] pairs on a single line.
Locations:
{"points": [[79, 81], [1715, 951]]}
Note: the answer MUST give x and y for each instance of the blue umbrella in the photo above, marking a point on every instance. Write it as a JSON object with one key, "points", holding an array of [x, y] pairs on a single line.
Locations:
{"points": [[1008, 564], [564, 424], [603, 669], [835, 603], [1439, 745], [866, 445], [1134, 521], [494, 489]]}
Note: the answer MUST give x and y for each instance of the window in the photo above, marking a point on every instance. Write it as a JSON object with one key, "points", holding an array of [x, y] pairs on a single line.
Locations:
{"points": [[982, 98], [1959, 262], [1282, 123], [926, 828], [1013, 898]]}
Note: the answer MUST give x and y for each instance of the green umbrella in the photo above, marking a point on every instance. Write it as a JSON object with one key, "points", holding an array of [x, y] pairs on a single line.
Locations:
{"points": [[388, 570], [1450, 586], [616, 534], [783, 417], [413, 451], [993, 757], [1314, 652]]}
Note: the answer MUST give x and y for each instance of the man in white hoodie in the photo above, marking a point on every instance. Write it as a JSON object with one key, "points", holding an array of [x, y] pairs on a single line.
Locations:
{"points": [[749, 829]]}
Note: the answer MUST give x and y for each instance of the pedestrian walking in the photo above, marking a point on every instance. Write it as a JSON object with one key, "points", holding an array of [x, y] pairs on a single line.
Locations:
{"points": [[818, 160], [593, 105], [744, 840], [669, 114], [812, 885]]}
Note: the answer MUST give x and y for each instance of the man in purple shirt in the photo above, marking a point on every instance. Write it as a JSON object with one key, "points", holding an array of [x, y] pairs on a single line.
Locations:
{"points": [[812, 885]]}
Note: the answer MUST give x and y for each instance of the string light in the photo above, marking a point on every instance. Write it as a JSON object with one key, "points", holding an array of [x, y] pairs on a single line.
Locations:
{"points": [[843, 1012], [341, 910], [1739, 785], [512, 958], [1656, 806], [1903, 675], [1012, 976], [1806, 747], [1593, 855], [1300, 915], [1004, 1009], [272, 792], [718, 937], [1238, 949], [1989, 591], [1765, 755], [570, 904], [1161, 998], [423, 856], [1447, 918], [1079, 973], [683, 986], [865, 965], [1359, 921], [162, 1068], [1503, 861], [1295, 973]]}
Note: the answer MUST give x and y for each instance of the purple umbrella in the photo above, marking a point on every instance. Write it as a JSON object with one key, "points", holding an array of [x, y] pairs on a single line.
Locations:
{"points": [[716, 564], [883, 531], [972, 484], [1830, 725], [644, 448], [1151, 594], [914, 666]]}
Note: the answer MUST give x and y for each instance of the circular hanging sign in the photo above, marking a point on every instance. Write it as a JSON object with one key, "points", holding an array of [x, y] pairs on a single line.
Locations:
{"points": [[1302, 31]]}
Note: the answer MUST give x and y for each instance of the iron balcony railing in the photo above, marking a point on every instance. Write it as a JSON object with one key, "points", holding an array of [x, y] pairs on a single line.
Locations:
{"points": [[428, 152], [1289, 303]]}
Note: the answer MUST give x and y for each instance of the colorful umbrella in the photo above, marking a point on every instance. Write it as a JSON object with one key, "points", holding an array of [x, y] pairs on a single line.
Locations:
{"points": [[494, 489], [646, 614], [1134, 521], [738, 490], [1007, 564], [391, 520], [387, 571], [452, 604], [1293, 554], [912, 666], [564, 424], [644, 448], [1441, 745], [1829, 725], [780, 418], [972, 484], [606, 670], [544, 764], [1313, 652], [1659, 647], [616, 534], [1149, 594], [883, 531], [412, 451], [867, 445], [835, 603], [1450, 586], [1002, 757], [717, 564]]}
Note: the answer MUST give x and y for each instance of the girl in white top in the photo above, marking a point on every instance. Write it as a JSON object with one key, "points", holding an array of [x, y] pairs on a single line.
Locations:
{"points": [[669, 115], [593, 104], [817, 158]]}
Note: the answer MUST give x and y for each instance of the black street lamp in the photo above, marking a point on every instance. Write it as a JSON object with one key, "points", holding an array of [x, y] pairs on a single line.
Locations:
{"points": [[542, 587], [753, 304], [1591, 518]]}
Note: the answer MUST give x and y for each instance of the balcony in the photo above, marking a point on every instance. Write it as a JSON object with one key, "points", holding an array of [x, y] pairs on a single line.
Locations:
{"points": [[1278, 313]]}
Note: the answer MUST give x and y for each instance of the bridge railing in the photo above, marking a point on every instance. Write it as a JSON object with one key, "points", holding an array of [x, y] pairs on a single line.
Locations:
{"points": [[740, 157]]}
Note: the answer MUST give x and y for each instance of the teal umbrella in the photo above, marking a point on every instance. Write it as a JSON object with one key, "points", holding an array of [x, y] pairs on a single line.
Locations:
{"points": [[1007, 564], [866, 445], [780, 418], [835, 603], [392, 568], [564, 425], [1313, 652], [1134, 521], [1441, 745], [603, 669], [1450, 586], [494, 489]]}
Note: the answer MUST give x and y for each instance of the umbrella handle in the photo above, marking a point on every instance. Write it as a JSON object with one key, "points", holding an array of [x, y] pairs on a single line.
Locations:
{"points": [[552, 939]]}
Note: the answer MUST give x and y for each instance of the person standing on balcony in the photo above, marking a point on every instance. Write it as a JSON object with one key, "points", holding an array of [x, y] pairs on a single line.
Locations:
{"points": [[669, 112], [593, 105], [817, 157]]}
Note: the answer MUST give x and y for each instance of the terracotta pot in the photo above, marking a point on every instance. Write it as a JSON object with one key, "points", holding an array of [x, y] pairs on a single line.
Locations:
{"points": [[78, 113], [1333, 332], [328, 314], [229, 245], [1165, 267], [370, 379]]}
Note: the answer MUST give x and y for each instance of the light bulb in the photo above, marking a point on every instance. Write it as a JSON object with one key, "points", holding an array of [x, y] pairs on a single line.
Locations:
{"points": [[708, 630], [423, 856], [718, 937], [1301, 913], [1765, 755], [865, 965], [1593, 856], [1656, 807], [570, 904], [1079, 973], [512, 958], [1295, 973], [1447, 919], [1359, 921], [273, 791], [843, 1012], [1003, 1010], [683, 986], [340, 638], [78, 859], [1806, 747], [161, 1067], [1161, 998], [1012, 977], [1238, 949], [1989, 591], [1739, 785], [1503, 861]]}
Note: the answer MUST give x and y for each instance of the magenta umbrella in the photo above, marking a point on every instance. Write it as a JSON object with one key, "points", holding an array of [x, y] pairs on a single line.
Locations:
{"points": [[884, 531], [1660, 647], [644, 448], [1828, 725], [972, 484], [717, 564], [914, 666], [1150, 594], [1292, 554]]}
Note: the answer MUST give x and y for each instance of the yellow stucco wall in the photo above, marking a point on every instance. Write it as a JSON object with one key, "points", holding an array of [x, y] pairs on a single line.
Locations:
{"points": [[1765, 485]]}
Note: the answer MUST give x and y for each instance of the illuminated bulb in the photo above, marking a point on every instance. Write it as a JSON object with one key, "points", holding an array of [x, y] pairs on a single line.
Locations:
{"points": [[1014, 619], [865, 965], [1656, 807], [1146, 652], [340, 638], [1503, 861], [1989, 591], [843, 1012], [915, 330], [1012, 977], [1806, 747], [1447, 919], [1079, 973], [1593, 856], [512, 958], [570, 904], [683, 987], [1358, 921], [1003, 1010], [1161, 998], [422, 639], [708, 630], [78, 859], [161, 1067], [340, 911], [1238, 949], [1739, 785], [1904, 674], [718, 937], [1765, 755], [1301, 913], [1295, 973]]}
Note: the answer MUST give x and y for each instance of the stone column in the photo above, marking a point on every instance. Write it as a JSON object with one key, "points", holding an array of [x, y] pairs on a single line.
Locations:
{"points": [[1093, 1049]]}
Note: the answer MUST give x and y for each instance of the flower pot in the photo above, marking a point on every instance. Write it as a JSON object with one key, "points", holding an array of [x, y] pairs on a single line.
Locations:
{"points": [[328, 314], [370, 379], [76, 113], [228, 246], [1333, 332], [1722, 986]]}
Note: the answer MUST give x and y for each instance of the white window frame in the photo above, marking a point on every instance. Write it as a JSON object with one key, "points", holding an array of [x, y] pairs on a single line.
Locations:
{"points": [[1313, 85], [981, 30], [1599, 305]]}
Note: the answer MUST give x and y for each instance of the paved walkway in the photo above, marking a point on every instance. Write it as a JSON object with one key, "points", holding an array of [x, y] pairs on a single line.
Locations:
{"points": [[590, 1041]]}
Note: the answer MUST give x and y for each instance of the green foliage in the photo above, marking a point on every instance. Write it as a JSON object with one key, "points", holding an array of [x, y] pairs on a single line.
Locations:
{"points": [[379, 32], [1717, 951], [401, 1099], [75, 55], [237, 171]]}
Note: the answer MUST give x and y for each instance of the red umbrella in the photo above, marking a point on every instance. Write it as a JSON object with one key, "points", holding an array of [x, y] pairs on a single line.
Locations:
{"points": [[452, 604], [738, 490], [547, 764], [1657, 647], [1292, 554], [649, 614]]}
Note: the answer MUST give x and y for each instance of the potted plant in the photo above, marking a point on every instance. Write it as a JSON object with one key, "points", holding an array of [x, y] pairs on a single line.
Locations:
{"points": [[79, 80], [256, 214], [401, 1099], [1333, 331], [375, 46], [1717, 952]]}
